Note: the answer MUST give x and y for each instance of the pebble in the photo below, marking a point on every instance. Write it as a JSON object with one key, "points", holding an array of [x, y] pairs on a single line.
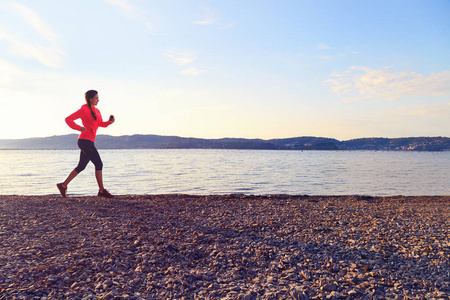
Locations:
{"points": [[224, 247]]}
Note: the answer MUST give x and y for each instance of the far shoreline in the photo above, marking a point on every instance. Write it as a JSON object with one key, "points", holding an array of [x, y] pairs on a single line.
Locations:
{"points": [[148, 141]]}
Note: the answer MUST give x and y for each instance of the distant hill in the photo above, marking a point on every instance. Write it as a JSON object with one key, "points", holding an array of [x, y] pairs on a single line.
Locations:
{"points": [[66, 142]]}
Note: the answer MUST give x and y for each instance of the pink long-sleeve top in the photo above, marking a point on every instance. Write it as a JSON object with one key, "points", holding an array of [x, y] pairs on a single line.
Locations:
{"points": [[91, 125]]}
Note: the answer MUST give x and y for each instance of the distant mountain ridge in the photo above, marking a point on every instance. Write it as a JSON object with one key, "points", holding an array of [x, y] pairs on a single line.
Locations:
{"points": [[66, 142]]}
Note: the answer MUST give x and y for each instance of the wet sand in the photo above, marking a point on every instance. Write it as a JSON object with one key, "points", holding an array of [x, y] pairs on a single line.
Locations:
{"points": [[224, 247]]}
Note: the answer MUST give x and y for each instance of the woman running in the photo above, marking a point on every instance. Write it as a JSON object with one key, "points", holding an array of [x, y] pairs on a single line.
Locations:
{"points": [[91, 118]]}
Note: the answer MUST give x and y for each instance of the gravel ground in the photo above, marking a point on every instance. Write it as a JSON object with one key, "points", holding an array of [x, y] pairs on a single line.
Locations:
{"points": [[224, 247]]}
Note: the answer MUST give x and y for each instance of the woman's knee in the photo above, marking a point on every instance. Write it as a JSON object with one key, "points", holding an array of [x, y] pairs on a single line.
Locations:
{"points": [[98, 165], [80, 168]]}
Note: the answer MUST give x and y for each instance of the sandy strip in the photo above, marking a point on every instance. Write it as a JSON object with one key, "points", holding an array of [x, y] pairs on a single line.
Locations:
{"points": [[224, 247]]}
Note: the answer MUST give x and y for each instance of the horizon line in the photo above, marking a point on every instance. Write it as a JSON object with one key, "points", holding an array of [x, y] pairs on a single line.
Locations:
{"points": [[191, 137]]}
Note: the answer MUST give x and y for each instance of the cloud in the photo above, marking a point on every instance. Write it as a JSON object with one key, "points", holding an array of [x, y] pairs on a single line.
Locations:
{"points": [[9, 73], [192, 72], [133, 12], [38, 24], [123, 4], [42, 85], [325, 57], [185, 58], [359, 83], [50, 55], [180, 57], [208, 19], [323, 47]]}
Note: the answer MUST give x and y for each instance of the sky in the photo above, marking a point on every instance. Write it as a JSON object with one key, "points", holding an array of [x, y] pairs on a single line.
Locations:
{"points": [[264, 69]]}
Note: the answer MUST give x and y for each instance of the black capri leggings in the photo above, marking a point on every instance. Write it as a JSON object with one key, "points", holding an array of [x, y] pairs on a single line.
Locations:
{"points": [[88, 153]]}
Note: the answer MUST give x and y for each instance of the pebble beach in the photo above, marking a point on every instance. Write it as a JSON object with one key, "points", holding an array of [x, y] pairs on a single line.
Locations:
{"points": [[225, 247]]}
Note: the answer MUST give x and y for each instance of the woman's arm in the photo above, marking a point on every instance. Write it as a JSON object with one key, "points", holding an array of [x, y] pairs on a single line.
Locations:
{"points": [[70, 120], [107, 123]]}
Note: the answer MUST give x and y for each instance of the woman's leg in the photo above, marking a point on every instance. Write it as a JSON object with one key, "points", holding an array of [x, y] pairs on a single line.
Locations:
{"points": [[99, 177], [84, 160], [92, 154], [69, 178]]}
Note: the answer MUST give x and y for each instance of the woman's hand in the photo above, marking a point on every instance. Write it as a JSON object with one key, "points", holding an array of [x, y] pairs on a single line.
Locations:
{"points": [[82, 129], [111, 119]]}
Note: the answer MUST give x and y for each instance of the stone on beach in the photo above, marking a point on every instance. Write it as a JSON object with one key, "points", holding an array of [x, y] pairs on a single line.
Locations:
{"points": [[224, 247]]}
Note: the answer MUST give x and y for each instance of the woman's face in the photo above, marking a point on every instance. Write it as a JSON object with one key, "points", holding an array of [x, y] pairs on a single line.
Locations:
{"points": [[94, 100]]}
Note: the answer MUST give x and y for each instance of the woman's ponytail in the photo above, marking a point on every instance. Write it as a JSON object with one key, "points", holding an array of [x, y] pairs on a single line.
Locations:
{"points": [[88, 96]]}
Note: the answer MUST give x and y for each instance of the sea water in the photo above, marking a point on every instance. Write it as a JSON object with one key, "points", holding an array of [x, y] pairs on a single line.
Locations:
{"points": [[258, 172]]}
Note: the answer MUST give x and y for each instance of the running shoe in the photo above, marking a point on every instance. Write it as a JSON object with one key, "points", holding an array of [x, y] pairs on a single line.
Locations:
{"points": [[105, 194], [62, 189]]}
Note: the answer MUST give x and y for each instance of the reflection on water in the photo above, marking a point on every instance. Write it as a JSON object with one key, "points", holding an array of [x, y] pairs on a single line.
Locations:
{"points": [[231, 171]]}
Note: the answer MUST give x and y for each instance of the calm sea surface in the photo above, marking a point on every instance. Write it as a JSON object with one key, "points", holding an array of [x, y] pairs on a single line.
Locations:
{"points": [[231, 171]]}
